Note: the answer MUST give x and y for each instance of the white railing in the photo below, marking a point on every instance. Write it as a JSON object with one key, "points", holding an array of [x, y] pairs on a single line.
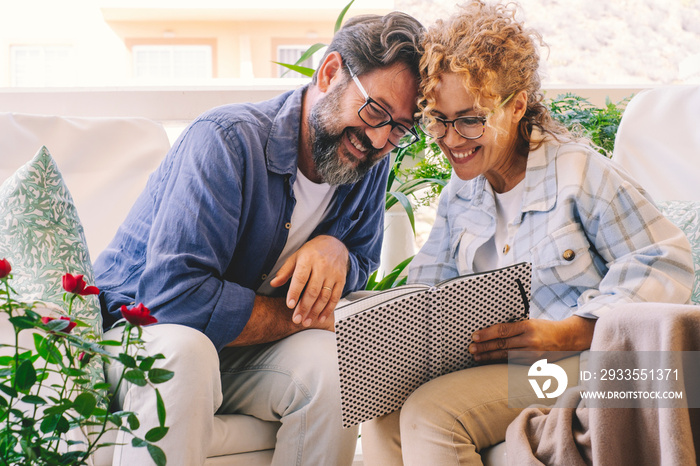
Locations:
{"points": [[166, 104]]}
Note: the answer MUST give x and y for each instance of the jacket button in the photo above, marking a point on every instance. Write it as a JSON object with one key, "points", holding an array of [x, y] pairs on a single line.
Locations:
{"points": [[569, 255], [264, 276], [288, 225]]}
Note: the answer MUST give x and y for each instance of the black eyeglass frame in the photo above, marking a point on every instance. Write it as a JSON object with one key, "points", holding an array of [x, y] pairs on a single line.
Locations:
{"points": [[452, 122], [368, 100], [446, 123]]}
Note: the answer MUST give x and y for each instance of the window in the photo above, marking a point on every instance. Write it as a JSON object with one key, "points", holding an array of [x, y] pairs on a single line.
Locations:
{"points": [[172, 62], [41, 66], [290, 54]]}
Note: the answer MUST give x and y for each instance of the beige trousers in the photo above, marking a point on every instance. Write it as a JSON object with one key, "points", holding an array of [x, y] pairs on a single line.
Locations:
{"points": [[450, 419]]}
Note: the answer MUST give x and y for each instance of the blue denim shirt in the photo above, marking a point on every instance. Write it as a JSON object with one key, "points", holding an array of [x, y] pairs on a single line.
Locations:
{"points": [[214, 217]]}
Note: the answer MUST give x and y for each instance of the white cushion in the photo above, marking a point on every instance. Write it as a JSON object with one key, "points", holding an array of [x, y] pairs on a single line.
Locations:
{"points": [[104, 161], [658, 142], [238, 440]]}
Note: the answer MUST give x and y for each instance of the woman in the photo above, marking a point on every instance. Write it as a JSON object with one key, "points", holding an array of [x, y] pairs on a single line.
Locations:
{"points": [[523, 189]]}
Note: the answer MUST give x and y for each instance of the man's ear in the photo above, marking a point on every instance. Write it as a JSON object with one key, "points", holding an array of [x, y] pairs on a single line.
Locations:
{"points": [[329, 70]]}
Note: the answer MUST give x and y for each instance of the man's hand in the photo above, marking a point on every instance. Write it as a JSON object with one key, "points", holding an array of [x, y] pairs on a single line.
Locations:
{"points": [[271, 320], [537, 335], [318, 270]]}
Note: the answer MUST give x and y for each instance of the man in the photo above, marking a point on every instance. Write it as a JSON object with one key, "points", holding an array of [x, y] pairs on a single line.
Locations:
{"points": [[256, 223]]}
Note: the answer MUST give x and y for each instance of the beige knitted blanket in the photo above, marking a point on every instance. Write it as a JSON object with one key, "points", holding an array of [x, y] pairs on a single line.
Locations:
{"points": [[572, 434]]}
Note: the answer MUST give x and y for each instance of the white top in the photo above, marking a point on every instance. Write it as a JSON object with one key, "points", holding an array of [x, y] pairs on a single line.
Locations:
{"points": [[312, 202], [495, 253]]}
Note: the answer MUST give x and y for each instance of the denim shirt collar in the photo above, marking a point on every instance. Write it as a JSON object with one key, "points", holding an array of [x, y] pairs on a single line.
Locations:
{"points": [[281, 152]]}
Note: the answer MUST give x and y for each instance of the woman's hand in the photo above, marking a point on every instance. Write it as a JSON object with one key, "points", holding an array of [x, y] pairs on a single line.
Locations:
{"points": [[535, 335]]}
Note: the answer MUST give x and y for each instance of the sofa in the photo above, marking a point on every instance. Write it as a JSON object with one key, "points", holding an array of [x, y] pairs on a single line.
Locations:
{"points": [[105, 163]]}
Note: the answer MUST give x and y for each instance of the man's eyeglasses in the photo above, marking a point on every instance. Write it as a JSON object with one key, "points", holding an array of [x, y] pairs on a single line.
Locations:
{"points": [[376, 116], [469, 127]]}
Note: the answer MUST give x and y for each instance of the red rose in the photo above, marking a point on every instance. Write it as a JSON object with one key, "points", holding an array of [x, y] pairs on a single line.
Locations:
{"points": [[76, 285], [71, 325], [84, 358], [5, 268], [139, 315]]}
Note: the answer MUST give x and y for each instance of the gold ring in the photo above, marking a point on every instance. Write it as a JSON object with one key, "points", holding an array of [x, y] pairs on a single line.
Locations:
{"points": [[327, 288]]}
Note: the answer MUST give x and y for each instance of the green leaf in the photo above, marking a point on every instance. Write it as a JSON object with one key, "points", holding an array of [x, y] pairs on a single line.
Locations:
{"points": [[136, 376], [26, 376], [49, 424], [372, 280], [63, 425], [390, 281], [160, 406], [9, 391], [412, 186], [299, 69], [137, 442], [403, 264], [339, 21], [133, 421], [115, 419], [158, 375], [127, 360], [109, 343], [33, 400], [6, 360], [157, 455], [58, 409], [310, 51], [403, 200], [85, 404], [100, 412], [71, 372], [156, 433], [396, 167], [22, 322], [386, 283], [147, 363], [80, 323], [57, 325]]}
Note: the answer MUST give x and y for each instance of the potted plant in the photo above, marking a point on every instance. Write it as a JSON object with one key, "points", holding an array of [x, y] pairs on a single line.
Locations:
{"points": [[51, 411]]}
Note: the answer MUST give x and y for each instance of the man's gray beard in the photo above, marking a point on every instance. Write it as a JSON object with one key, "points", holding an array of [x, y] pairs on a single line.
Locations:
{"points": [[327, 139]]}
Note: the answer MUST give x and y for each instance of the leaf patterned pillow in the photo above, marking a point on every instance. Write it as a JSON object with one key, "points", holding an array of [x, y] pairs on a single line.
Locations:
{"points": [[686, 216], [41, 236]]}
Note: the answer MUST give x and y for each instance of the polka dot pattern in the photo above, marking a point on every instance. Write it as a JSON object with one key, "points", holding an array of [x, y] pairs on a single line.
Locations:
{"points": [[389, 350]]}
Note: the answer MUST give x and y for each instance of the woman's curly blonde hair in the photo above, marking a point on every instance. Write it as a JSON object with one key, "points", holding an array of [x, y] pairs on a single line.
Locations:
{"points": [[495, 55]]}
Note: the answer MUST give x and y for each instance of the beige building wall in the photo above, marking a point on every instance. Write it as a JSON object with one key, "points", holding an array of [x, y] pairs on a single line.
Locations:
{"points": [[100, 34], [233, 42]]}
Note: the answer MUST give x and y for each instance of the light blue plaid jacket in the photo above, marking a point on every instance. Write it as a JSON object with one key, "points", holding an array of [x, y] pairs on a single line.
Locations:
{"points": [[574, 200]]}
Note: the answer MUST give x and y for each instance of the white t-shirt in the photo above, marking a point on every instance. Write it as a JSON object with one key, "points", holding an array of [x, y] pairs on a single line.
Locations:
{"points": [[495, 253], [312, 203]]}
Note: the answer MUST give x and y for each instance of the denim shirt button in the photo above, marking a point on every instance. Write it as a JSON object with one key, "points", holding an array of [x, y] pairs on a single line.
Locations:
{"points": [[264, 277], [569, 255], [288, 225]]}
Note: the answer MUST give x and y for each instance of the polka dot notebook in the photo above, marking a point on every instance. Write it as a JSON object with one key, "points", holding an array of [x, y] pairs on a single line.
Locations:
{"points": [[391, 342]]}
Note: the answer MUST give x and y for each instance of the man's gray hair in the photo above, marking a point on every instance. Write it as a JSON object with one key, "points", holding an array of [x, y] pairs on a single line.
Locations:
{"points": [[369, 42]]}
